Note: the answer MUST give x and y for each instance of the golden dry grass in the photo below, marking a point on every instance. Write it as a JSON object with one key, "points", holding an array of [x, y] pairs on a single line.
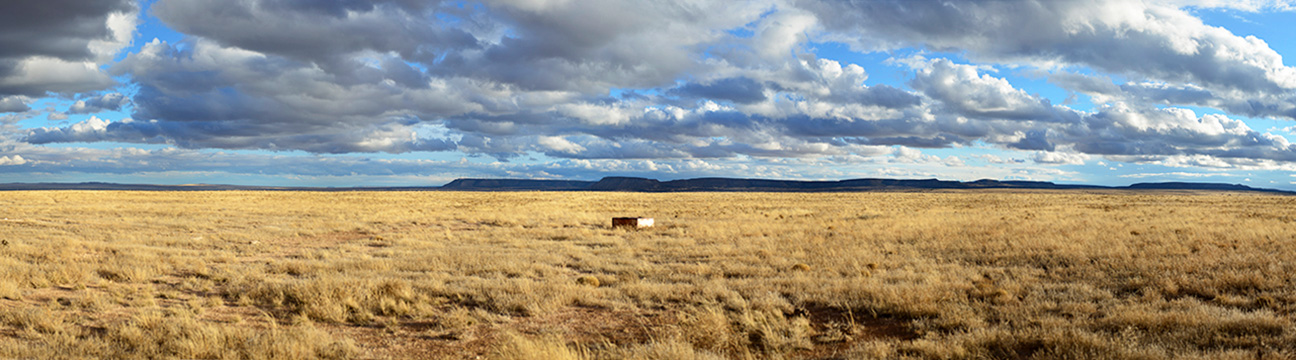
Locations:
{"points": [[86, 274]]}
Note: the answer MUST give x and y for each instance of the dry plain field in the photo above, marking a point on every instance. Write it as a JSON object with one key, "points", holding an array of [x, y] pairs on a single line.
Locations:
{"points": [[540, 275]]}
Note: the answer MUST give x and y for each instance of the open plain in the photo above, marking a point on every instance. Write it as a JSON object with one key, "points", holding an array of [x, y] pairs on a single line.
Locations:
{"points": [[542, 275]]}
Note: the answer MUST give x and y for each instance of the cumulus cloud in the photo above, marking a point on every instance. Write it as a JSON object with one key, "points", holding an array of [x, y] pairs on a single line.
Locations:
{"points": [[660, 84], [206, 95], [1125, 130], [1153, 40], [90, 130], [1018, 120], [969, 93], [12, 160], [807, 107], [95, 104]]}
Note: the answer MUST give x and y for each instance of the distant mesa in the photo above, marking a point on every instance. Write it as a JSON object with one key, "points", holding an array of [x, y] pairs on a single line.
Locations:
{"points": [[637, 184], [1197, 186], [516, 184], [619, 183]]}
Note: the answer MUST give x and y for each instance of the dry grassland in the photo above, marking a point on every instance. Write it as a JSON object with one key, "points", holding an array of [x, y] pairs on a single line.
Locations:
{"points": [[299, 275]]}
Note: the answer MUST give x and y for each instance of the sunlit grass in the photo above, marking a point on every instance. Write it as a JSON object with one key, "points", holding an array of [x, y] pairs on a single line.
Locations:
{"points": [[722, 275]]}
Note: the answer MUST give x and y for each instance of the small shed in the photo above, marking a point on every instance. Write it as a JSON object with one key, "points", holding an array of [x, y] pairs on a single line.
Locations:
{"points": [[632, 222]]}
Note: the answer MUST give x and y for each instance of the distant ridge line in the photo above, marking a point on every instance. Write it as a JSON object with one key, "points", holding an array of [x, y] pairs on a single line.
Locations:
{"points": [[638, 184]]}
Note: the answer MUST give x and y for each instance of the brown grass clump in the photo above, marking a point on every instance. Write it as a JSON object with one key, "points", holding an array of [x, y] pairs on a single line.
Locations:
{"points": [[943, 275], [589, 280], [517, 347]]}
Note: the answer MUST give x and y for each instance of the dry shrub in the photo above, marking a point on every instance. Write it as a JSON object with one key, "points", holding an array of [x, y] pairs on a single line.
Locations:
{"points": [[34, 321], [177, 335], [518, 347], [710, 329], [673, 349], [1191, 323], [334, 299], [588, 280], [9, 289], [525, 296], [767, 332], [772, 332]]}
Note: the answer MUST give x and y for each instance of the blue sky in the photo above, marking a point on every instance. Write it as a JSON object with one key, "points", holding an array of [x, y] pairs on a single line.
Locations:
{"points": [[367, 93]]}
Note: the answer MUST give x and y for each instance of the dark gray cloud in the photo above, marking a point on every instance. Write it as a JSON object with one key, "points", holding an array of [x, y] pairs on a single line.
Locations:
{"points": [[570, 45], [1252, 104], [739, 90], [206, 95], [933, 142], [227, 135], [13, 104], [1035, 139], [56, 28], [592, 45], [326, 33], [55, 46]]}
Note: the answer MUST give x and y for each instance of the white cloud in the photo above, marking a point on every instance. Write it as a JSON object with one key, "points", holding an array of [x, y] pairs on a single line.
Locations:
{"points": [[559, 144], [592, 114], [1179, 174], [12, 160], [121, 27], [1242, 5], [54, 74], [780, 33], [970, 93], [1059, 158]]}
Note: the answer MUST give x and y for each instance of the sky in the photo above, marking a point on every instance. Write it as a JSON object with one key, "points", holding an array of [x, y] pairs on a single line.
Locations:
{"points": [[418, 93]]}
